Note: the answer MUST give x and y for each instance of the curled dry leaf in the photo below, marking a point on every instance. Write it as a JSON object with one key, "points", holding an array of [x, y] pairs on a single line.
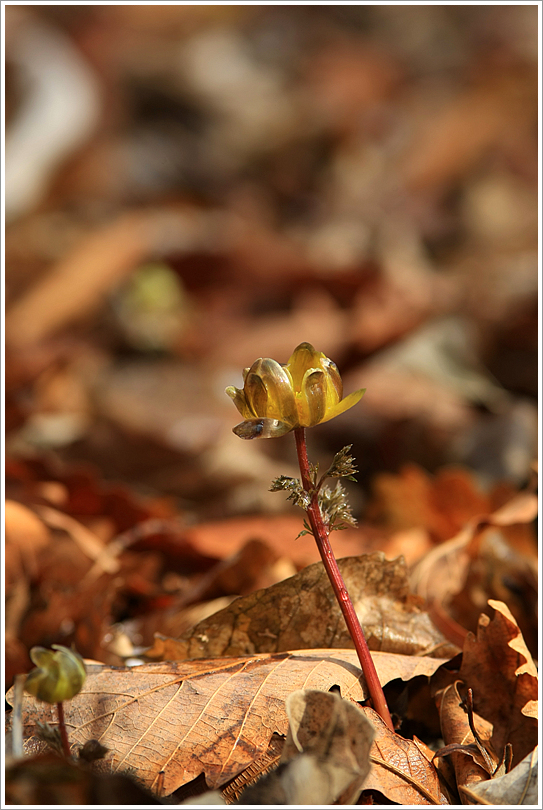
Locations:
{"points": [[481, 562], [498, 667], [302, 613], [400, 770], [172, 721], [469, 763], [325, 759], [518, 787], [443, 570]]}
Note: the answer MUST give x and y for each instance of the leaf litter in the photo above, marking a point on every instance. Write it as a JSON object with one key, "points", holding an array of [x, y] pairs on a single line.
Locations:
{"points": [[178, 719], [135, 289]]}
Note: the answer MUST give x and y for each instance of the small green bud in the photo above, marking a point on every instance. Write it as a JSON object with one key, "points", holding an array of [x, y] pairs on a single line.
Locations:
{"points": [[58, 675]]}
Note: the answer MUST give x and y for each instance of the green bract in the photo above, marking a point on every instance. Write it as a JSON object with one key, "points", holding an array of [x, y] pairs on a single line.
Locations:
{"points": [[276, 399]]}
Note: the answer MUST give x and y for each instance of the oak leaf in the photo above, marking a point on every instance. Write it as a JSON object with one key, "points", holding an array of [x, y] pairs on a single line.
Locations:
{"points": [[498, 667]]}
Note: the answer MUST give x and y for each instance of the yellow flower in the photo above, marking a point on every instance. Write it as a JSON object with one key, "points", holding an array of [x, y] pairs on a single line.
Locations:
{"points": [[58, 675], [276, 399]]}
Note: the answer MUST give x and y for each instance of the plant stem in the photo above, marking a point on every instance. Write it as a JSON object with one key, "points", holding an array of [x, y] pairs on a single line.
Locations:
{"points": [[320, 532], [63, 732]]}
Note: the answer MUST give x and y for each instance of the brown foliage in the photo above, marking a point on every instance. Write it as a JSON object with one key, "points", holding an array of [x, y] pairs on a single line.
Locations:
{"points": [[302, 612], [170, 721]]}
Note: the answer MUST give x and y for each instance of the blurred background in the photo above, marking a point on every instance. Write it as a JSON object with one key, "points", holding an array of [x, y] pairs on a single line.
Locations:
{"points": [[189, 188]]}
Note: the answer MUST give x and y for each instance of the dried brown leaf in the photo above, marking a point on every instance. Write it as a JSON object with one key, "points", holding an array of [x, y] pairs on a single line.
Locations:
{"points": [[470, 766], [302, 612], [222, 538], [325, 758], [171, 721], [26, 535], [499, 669], [76, 286], [518, 787], [401, 771], [479, 559]]}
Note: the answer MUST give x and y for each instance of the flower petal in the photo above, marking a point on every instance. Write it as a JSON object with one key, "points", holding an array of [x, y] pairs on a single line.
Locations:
{"points": [[313, 397], [275, 381], [240, 402], [344, 405], [256, 394], [335, 385], [262, 429], [303, 358]]}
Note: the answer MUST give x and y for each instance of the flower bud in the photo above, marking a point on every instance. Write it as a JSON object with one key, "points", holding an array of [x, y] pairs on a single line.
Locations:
{"points": [[58, 675], [276, 399]]}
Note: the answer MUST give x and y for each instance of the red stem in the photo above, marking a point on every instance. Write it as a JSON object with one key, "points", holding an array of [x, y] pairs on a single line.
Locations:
{"points": [[320, 533], [63, 732]]}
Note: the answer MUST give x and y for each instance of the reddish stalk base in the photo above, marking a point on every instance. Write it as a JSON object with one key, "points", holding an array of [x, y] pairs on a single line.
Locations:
{"points": [[320, 533], [63, 732]]}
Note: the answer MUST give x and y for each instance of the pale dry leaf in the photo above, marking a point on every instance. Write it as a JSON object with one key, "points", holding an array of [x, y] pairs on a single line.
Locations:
{"points": [[306, 780], [470, 766], [336, 732], [518, 787], [325, 758]]}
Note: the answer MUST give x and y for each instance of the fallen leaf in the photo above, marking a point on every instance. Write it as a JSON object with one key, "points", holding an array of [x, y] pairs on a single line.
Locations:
{"points": [[251, 568], [442, 504], [470, 766], [77, 284], [466, 126], [86, 540], [220, 539], [26, 535], [458, 576], [262, 765], [302, 612], [498, 667], [171, 721], [400, 770], [325, 758], [51, 780], [518, 787]]}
